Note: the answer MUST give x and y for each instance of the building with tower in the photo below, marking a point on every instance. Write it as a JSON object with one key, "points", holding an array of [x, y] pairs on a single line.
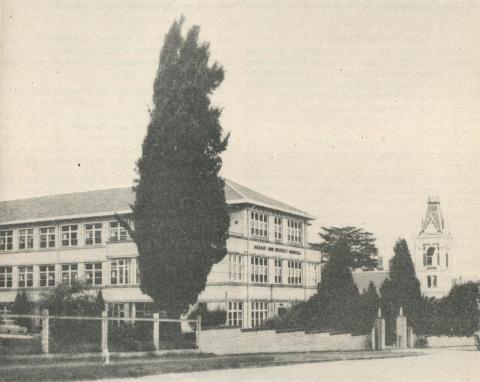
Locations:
{"points": [[432, 259]]}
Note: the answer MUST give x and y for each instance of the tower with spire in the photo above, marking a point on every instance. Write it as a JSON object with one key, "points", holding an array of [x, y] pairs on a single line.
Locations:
{"points": [[433, 262]]}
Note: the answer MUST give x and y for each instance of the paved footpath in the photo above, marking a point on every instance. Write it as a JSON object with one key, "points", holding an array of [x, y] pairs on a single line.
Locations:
{"points": [[436, 365]]}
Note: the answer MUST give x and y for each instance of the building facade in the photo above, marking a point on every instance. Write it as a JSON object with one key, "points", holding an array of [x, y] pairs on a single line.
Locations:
{"points": [[56, 239], [432, 259]]}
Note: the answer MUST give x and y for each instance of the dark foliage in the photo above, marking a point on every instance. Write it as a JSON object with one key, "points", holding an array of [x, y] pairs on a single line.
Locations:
{"points": [[180, 213], [22, 305], [369, 303], [210, 318], [401, 289], [361, 245]]}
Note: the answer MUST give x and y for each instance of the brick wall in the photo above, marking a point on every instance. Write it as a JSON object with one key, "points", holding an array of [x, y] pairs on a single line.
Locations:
{"points": [[236, 341]]}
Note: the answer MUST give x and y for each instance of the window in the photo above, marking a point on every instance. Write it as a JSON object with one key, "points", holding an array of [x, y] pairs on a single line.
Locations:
{"points": [[143, 310], [258, 224], [235, 314], [294, 231], [25, 277], [431, 281], [5, 277], [294, 273], [6, 240], [259, 269], [278, 271], [69, 235], [120, 271], [314, 271], [69, 273], [278, 228], [93, 273], [47, 237], [117, 232], [235, 267], [117, 310], [25, 238], [259, 313], [429, 255], [93, 234], [47, 275]]}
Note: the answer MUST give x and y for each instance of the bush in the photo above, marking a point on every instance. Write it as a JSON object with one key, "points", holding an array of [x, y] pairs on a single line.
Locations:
{"points": [[421, 342], [210, 318]]}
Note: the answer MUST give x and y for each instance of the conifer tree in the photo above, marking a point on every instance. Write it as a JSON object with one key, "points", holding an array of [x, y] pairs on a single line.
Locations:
{"points": [[369, 306], [180, 212], [401, 289]]}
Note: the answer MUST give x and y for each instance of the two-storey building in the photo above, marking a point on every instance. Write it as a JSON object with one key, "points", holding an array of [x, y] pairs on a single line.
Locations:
{"points": [[48, 240]]}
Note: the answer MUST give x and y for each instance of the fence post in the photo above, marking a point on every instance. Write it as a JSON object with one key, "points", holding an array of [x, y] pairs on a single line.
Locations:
{"points": [[45, 331], [156, 331], [198, 330], [105, 337]]}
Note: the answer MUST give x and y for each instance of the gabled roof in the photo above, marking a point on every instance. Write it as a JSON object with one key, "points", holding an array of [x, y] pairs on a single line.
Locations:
{"points": [[433, 216], [114, 200]]}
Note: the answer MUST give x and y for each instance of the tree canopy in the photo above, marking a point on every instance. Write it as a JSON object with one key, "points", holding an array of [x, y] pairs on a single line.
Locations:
{"points": [[361, 245], [180, 212]]}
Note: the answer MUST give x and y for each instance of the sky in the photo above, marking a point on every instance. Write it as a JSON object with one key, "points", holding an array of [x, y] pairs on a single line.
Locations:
{"points": [[354, 111]]}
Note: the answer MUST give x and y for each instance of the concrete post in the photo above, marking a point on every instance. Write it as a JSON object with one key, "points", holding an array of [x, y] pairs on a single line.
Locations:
{"points": [[45, 331], [410, 338], [379, 328], [401, 327], [104, 331], [156, 331], [198, 330]]}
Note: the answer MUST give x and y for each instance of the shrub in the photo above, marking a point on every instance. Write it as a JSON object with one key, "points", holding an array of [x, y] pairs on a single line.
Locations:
{"points": [[210, 318]]}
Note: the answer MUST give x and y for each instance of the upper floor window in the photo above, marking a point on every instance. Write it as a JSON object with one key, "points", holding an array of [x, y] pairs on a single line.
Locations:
{"points": [[93, 233], [258, 224], [47, 275], [120, 271], [295, 272], [25, 277], [278, 271], [259, 269], [25, 238], [69, 235], [431, 281], [294, 231], [69, 273], [47, 237], [235, 267], [6, 240], [278, 228], [117, 232], [5, 277], [430, 253], [93, 273]]}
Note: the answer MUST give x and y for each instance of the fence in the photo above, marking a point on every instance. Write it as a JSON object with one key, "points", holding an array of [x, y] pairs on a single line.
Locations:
{"points": [[88, 333]]}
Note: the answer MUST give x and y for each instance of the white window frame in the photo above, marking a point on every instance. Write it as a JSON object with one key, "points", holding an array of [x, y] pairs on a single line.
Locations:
{"points": [[69, 234], [295, 272], [47, 237], [278, 223], [117, 232], [295, 231], [69, 272], [25, 238], [258, 313], [121, 268], [25, 276], [235, 313], [93, 233], [143, 309], [93, 273], [259, 224], [235, 267], [259, 269], [278, 264], [6, 240], [49, 275], [6, 276]]}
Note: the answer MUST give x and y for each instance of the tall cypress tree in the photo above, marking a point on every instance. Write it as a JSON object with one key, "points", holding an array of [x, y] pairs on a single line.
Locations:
{"points": [[180, 212], [401, 289]]}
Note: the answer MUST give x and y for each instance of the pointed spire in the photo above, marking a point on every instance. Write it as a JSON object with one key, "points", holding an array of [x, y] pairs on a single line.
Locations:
{"points": [[433, 216]]}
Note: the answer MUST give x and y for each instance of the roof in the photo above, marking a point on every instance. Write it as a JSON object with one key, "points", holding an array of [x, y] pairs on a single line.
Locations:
{"points": [[433, 216], [114, 200], [362, 279]]}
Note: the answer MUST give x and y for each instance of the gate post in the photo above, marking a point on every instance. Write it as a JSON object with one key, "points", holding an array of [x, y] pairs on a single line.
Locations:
{"points": [[156, 331], [198, 330], [401, 327], [45, 331], [379, 329]]}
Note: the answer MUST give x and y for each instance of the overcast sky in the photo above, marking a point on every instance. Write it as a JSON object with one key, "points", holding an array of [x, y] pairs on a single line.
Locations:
{"points": [[354, 111]]}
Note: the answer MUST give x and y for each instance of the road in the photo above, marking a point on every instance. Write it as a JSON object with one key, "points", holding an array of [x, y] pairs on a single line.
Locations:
{"points": [[437, 365]]}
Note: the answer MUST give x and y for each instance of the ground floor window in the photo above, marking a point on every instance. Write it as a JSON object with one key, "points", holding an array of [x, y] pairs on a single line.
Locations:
{"points": [[143, 310], [5, 309], [69, 273], [259, 313], [5, 277], [431, 281], [93, 273], [235, 314]]}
